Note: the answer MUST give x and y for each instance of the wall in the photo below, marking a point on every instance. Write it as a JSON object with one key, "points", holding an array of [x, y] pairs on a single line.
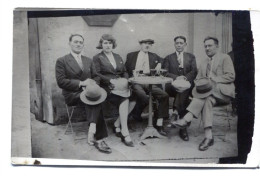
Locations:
{"points": [[128, 29], [21, 129]]}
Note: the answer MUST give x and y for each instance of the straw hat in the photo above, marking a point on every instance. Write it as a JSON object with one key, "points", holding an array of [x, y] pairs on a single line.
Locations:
{"points": [[93, 94], [203, 88], [181, 85]]}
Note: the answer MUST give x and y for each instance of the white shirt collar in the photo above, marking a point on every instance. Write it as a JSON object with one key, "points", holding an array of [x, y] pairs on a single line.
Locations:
{"points": [[142, 52], [179, 54], [75, 55]]}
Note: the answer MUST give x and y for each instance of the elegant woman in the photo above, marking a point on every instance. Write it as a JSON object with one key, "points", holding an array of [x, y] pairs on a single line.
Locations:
{"points": [[113, 78]]}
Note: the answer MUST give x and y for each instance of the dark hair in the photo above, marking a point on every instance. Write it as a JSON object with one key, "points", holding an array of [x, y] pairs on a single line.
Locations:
{"points": [[107, 37], [211, 38], [72, 35], [180, 37]]}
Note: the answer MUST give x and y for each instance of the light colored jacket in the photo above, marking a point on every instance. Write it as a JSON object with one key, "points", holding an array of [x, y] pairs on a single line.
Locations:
{"points": [[222, 70]]}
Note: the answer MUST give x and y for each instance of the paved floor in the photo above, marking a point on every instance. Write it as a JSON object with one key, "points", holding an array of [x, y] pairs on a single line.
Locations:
{"points": [[50, 142]]}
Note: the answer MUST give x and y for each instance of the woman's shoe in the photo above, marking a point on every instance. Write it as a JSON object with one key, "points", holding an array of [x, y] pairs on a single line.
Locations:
{"points": [[127, 143], [117, 131]]}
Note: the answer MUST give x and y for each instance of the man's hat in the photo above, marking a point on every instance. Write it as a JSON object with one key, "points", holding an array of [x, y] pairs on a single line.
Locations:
{"points": [[121, 87], [203, 88], [181, 84], [146, 41], [93, 94]]}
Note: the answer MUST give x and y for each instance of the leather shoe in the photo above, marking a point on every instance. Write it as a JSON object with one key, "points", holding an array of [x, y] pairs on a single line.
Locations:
{"points": [[184, 134], [181, 123], [102, 147], [117, 131], [204, 145], [161, 130], [127, 143]]}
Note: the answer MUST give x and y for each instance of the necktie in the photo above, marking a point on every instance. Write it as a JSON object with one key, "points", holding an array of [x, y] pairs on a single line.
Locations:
{"points": [[79, 62], [180, 60], [209, 67]]}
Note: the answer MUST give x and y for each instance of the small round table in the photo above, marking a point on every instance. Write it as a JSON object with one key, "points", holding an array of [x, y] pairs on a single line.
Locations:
{"points": [[150, 131]]}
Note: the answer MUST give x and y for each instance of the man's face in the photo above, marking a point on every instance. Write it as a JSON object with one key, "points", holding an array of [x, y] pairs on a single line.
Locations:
{"points": [[76, 44], [146, 46], [179, 45], [210, 47]]}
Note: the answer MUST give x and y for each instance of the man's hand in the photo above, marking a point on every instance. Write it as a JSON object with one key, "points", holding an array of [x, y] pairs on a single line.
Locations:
{"points": [[86, 82], [181, 78], [213, 78]]}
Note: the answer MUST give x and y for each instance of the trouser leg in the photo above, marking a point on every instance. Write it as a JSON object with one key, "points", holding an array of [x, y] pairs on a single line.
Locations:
{"points": [[163, 100], [181, 102], [142, 100], [207, 113], [95, 115], [196, 106]]}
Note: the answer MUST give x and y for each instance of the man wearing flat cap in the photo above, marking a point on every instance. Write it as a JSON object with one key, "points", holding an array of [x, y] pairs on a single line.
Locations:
{"points": [[214, 85], [144, 60], [182, 68], [76, 76]]}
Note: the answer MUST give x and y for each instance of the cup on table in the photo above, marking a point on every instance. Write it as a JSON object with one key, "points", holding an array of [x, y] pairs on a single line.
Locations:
{"points": [[153, 72], [163, 72]]}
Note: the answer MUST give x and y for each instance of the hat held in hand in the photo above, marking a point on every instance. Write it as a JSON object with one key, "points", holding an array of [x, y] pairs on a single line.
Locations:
{"points": [[181, 85], [93, 94], [121, 87], [203, 88]]}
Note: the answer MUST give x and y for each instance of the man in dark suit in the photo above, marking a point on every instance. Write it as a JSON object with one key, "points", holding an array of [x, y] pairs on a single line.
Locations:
{"points": [[145, 60], [73, 72], [180, 65]]}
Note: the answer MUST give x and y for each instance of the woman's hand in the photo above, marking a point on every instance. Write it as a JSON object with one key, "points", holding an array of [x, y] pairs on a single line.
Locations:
{"points": [[86, 82]]}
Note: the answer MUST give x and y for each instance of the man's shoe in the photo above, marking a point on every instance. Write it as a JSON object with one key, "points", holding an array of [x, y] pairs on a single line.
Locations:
{"points": [[204, 145], [181, 123], [161, 130], [102, 147], [91, 139], [175, 116], [184, 134]]}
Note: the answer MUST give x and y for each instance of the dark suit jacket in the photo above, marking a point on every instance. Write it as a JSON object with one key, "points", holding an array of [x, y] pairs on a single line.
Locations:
{"points": [[171, 64], [105, 70], [69, 74], [131, 58]]}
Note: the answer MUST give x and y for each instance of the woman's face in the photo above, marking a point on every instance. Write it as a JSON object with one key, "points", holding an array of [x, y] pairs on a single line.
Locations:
{"points": [[107, 46]]}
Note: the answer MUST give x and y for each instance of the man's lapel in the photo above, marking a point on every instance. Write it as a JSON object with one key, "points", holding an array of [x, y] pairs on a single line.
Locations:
{"points": [[152, 61], [134, 60], [215, 63], [175, 63], [74, 65]]}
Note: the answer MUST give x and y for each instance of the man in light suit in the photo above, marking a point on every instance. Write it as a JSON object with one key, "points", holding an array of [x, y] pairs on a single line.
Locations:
{"points": [[180, 65], [73, 72], [145, 60], [219, 70]]}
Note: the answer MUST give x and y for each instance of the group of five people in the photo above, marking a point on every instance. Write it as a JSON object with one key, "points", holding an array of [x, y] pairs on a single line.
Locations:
{"points": [[89, 82]]}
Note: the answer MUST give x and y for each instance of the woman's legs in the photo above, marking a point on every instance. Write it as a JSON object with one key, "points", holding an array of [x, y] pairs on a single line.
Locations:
{"points": [[131, 106], [123, 115]]}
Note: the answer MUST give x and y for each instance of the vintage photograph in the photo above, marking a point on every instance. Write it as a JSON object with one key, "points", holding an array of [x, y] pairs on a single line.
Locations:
{"points": [[135, 86]]}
